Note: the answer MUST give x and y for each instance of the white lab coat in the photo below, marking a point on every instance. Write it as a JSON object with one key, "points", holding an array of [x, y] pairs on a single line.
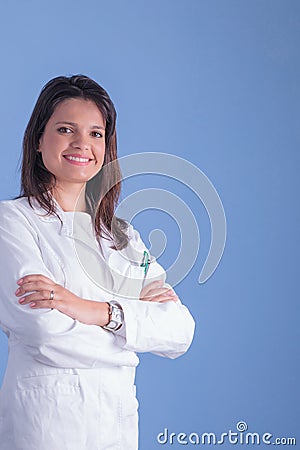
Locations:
{"points": [[69, 385]]}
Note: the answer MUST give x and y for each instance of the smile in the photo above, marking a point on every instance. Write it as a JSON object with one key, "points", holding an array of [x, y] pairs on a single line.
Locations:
{"points": [[76, 158]]}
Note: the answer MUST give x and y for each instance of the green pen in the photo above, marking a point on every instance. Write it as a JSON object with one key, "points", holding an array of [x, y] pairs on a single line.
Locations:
{"points": [[145, 263]]}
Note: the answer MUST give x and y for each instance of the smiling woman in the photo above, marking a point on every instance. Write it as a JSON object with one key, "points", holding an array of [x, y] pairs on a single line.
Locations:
{"points": [[76, 304]]}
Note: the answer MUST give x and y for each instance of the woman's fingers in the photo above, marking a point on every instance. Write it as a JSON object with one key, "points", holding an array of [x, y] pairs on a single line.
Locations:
{"points": [[154, 285], [150, 286], [43, 304], [34, 282], [160, 295], [164, 298], [40, 295], [155, 292], [34, 278], [34, 286], [40, 288]]}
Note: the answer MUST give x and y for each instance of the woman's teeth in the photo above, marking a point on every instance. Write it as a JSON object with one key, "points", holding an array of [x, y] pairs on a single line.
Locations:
{"points": [[75, 158]]}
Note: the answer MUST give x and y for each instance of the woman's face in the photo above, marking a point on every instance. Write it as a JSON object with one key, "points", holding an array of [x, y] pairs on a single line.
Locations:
{"points": [[73, 142]]}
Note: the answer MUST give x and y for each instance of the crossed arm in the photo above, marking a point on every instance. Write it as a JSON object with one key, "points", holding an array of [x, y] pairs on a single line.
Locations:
{"points": [[35, 290]]}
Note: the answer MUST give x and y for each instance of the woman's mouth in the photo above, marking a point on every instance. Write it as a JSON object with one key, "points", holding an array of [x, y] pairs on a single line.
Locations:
{"points": [[77, 160]]}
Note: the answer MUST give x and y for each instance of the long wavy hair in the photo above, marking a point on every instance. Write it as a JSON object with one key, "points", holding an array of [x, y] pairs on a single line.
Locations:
{"points": [[103, 190]]}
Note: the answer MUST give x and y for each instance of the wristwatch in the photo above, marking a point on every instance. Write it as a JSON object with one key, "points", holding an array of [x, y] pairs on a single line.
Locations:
{"points": [[116, 317]]}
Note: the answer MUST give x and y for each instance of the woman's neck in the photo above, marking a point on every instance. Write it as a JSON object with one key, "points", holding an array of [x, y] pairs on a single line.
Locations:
{"points": [[70, 199]]}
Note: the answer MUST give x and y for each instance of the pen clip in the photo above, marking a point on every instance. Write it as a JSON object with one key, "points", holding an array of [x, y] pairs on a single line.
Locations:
{"points": [[145, 262]]}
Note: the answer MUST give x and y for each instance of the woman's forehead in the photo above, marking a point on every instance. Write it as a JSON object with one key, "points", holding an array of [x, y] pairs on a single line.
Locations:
{"points": [[78, 110]]}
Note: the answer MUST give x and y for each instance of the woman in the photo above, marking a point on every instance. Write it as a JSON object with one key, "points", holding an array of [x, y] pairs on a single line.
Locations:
{"points": [[78, 297]]}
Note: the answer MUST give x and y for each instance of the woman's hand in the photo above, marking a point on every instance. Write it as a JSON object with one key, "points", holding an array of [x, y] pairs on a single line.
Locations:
{"points": [[158, 291], [44, 293]]}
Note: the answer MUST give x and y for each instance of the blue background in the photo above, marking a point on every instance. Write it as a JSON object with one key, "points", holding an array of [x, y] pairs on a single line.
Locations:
{"points": [[217, 83]]}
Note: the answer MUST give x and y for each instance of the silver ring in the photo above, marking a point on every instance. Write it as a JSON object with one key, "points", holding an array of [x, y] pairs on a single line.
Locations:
{"points": [[51, 295]]}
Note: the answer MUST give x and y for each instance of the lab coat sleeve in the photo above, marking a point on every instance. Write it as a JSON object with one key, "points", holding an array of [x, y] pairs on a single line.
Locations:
{"points": [[48, 335], [165, 329]]}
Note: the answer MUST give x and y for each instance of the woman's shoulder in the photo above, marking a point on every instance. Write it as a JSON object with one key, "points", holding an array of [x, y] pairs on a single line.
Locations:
{"points": [[12, 208], [14, 202]]}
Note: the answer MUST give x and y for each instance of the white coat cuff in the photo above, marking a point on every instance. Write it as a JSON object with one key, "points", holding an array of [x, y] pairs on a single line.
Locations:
{"points": [[162, 328]]}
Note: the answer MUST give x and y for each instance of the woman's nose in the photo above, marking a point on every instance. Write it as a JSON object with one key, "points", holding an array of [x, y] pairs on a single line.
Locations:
{"points": [[81, 142]]}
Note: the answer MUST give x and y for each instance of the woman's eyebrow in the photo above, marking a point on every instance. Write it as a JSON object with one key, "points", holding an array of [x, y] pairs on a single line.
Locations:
{"points": [[73, 124]]}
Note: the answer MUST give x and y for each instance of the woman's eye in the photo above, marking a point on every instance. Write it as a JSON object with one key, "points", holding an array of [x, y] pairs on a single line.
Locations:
{"points": [[97, 134], [64, 130]]}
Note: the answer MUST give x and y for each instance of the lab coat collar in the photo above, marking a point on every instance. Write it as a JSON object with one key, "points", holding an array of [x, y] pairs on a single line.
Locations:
{"points": [[67, 218]]}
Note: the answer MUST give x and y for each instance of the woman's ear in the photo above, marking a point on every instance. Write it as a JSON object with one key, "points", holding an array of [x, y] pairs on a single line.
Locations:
{"points": [[39, 149]]}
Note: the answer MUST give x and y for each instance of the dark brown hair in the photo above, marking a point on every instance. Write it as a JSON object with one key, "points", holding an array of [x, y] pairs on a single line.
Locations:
{"points": [[104, 188]]}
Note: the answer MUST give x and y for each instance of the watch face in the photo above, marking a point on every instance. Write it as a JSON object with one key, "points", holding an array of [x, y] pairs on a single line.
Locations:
{"points": [[112, 324], [117, 315]]}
